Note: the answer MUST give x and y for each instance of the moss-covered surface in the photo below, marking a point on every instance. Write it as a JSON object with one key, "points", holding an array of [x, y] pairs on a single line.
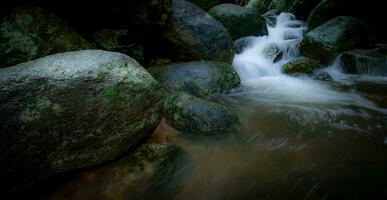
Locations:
{"points": [[282, 5], [261, 6], [200, 78], [301, 65], [191, 34], [191, 114], [325, 42], [27, 33], [72, 110], [239, 21]]}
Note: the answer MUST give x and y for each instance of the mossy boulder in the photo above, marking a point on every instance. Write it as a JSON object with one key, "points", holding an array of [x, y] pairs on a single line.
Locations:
{"points": [[301, 65], [191, 34], [367, 62], [27, 33], [239, 21], [302, 8], [192, 114], [207, 4], [325, 42], [200, 78], [72, 110], [261, 6], [135, 175], [118, 41]]}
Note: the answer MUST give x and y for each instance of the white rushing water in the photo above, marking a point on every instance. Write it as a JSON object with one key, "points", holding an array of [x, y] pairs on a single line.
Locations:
{"points": [[303, 98]]}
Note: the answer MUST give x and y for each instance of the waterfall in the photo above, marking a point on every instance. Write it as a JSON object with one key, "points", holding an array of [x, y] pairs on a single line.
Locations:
{"points": [[283, 39]]}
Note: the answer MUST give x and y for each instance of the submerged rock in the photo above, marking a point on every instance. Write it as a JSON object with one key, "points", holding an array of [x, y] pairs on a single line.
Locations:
{"points": [[200, 78], [191, 34], [366, 62], [273, 53], [239, 21], [137, 175], [27, 33], [188, 113], [72, 110], [301, 65], [325, 42]]}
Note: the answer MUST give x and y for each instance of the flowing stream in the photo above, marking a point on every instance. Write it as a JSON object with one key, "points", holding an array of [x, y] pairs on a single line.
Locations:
{"points": [[302, 138]]}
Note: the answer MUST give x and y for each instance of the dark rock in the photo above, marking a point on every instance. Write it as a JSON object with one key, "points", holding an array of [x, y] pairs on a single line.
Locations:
{"points": [[239, 21], [200, 78], [72, 110], [324, 11], [207, 4], [300, 65], [302, 8], [192, 114], [273, 53], [192, 34], [282, 5], [118, 41], [271, 17], [339, 34], [366, 62], [27, 33]]}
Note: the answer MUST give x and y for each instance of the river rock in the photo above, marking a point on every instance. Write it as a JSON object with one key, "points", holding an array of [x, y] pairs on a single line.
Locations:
{"points": [[192, 34], [239, 21], [300, 65], [282, 5], [72, 110], [273, 53], [261, 6], [118, 41], [328, 40], [271, 17], [27, 33], [192, 114], [366, 62], [200, 78], [242, 43]]}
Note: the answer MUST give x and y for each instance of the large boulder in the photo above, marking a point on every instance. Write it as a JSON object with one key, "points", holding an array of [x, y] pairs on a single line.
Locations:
{"points": [[261, 6], [192, 114], [366, 62], [72, 110], [339, 34], [192, 34], [27, 33], [301, 65], [239, 21], [200, 78]]}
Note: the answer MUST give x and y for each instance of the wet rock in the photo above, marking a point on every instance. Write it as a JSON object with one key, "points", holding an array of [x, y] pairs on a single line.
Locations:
{"points": [[199, 78], [282, 5], [191, 34], [367, 62], [188, 113], [118, 41], [273, 53], [72, 110], [261, 6], [300, 65], [271, 17], [27, 33], [242, 43], [239, 21], [339, 34]]}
